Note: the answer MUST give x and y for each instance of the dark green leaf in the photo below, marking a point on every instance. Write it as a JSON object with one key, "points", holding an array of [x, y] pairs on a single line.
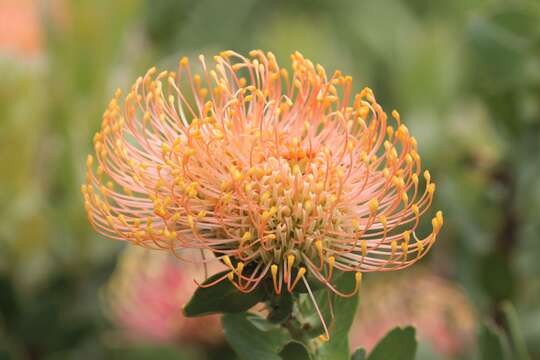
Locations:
{"points": [[8, 300], [281, 308], [359, 354], [314, 285], [492, 343], [221, 298], [294, 351], [398, 344], [249, 341]]}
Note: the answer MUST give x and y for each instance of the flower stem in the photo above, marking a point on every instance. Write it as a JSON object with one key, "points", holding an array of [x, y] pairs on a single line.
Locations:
{"points": [[295, 325]]}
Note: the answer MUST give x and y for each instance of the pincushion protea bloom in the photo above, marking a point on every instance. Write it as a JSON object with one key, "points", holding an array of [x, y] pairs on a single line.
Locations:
{"points": [[443, 315], [143, 296], [279, 174], [20, 27]]}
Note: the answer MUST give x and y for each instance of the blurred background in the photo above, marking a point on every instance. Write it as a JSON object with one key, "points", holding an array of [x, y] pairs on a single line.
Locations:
{"points": [[464, 74]]}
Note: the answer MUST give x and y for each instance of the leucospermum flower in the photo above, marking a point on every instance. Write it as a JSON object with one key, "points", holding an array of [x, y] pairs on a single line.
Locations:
{"points": [[20, 28], [281, 175], [443, 315], [143, 295]]}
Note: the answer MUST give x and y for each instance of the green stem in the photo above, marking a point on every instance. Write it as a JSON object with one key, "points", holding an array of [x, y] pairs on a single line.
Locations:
{"points": [[295, 326]]}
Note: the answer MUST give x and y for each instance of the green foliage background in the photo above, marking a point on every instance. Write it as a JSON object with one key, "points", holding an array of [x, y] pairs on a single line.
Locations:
{"points": [[465, 75]]}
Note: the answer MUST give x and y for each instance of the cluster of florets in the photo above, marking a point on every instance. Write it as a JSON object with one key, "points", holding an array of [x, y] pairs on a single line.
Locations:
{"points": [[279, 174]]}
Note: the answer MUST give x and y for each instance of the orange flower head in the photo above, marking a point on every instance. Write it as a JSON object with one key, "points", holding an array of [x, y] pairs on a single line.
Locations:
{"points": [[281, 175]]}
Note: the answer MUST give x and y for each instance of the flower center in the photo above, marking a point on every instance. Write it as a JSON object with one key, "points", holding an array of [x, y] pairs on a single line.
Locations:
{"points": [[289, 203]]}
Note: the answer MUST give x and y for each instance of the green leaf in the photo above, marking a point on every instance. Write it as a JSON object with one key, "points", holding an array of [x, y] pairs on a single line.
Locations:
{"points": [[516, 337], [249, 341], [295, 351], [324, 299], [221, 298], [281, 308], [344, 310], [492, 343], [398, 344], [359, 354], [314, 284]]}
